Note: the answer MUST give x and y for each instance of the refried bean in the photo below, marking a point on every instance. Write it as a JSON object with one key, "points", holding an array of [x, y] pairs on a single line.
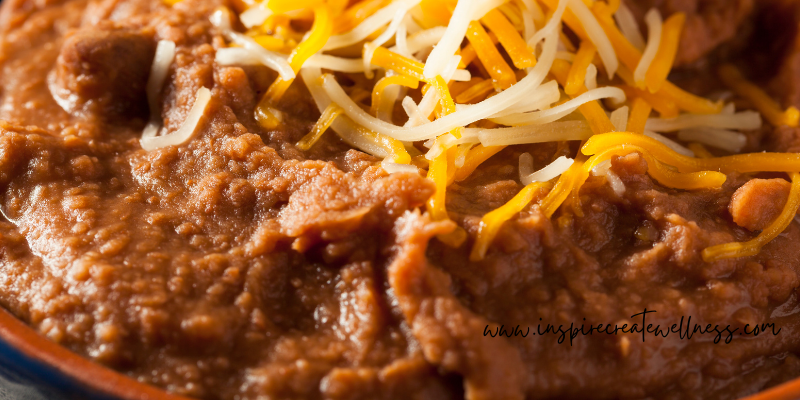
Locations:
{"points": [[236, 266]]}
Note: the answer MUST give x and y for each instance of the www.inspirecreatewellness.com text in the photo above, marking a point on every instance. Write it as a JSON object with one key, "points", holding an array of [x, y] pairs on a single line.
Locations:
{"points": [[684, 329]]}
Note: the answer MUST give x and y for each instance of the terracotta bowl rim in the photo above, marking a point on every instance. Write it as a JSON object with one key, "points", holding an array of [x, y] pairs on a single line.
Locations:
{"points": [[108, 382], [85, 373]]}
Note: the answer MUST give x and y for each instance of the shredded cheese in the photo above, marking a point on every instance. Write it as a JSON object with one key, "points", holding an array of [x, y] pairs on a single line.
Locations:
{"points": [[731, 76], [382, 84], [369, 25], [552, 170], [577, 73], [516, 47], [492, 222], [673, 145], [654, 23], [502, 74], [558, 112], [661, 65], [165, 54], [552, 132], [752, 247], [596, 34], [724, 139], [536, 92], [475, 157], [324, 122], [187, 129], [744, 121], [640, 111], [619, 118], [452, 38], [628, 26]]}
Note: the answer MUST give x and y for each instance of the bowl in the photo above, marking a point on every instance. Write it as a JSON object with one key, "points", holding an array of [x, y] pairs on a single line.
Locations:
{"points": [[34, 368]]}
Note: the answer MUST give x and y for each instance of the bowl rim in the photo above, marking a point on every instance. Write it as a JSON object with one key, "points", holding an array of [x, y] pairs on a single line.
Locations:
{"points": [[88, 374], [786, 391]]}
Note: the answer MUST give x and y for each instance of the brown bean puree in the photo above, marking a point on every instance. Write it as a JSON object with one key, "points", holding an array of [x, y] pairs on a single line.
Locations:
{"points": [[237, 266]]}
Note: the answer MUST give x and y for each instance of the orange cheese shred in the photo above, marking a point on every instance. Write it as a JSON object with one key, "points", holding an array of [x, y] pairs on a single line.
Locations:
{"points": [[771, 110], [377, 91], [665, 57], [492, 222], [592, 111], [630, 56], [476, 91], [495, 65], [516, 47], [323, 123], [640, 111], [577, 73], [475, 157]]}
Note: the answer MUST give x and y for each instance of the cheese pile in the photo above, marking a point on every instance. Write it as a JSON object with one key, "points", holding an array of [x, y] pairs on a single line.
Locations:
{"points": [[497, 73]]}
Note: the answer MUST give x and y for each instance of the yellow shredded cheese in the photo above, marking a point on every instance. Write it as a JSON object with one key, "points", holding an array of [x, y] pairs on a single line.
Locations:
{"points": [[732, 78], [752, 247], [492, 222], [640, 111], [382, 84], [475, 157], [498, 69], [577, 73], [476, 91], [592, 111], [324, 122], [742, 163], [662, 63], [519, 51], [356, 14], [497, 93], [320, 32]]}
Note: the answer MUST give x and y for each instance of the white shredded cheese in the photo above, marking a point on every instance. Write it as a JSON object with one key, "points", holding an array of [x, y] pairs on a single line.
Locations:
{"points": [[539, 99], [525, 165], [552, 132], [619, 118], [451, 41], [597, 35], [369, 47], [373, 23], [165, 54], [552, 170], [413, 112], [654, 25], [393, 168], [604, 169], [743, 121], [334, 63], [558, 112], [720, 138], [460, 118], [440, 144], [675, 146], [187, 129], [629, 27], [348, 130], [552, 24], [401, 38], [256, 15], [565, 55], [422, 40], [591, 77], [265, 57]]}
